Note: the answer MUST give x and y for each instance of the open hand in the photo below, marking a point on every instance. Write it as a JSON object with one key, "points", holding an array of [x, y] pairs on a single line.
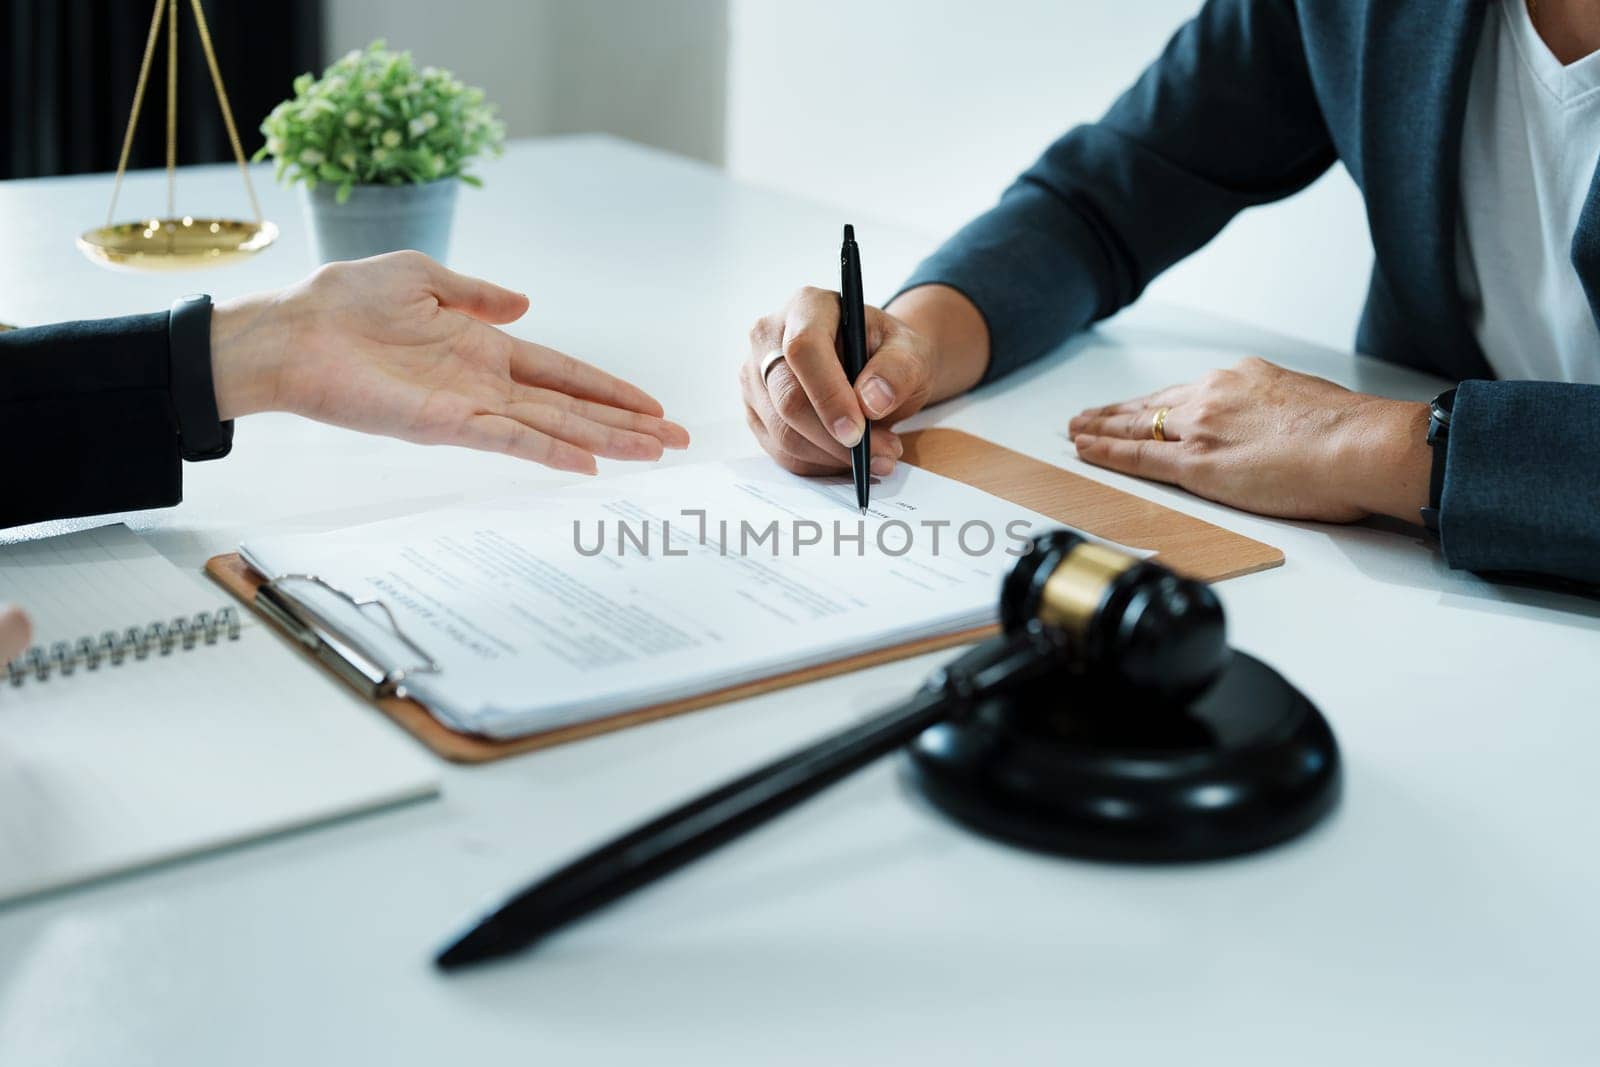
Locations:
{"points": [[399, 345], [1272, 441]]}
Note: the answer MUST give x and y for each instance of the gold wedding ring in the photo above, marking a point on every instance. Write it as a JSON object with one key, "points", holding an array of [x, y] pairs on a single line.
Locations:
{"points": [[768, 361], [1158, 426]]}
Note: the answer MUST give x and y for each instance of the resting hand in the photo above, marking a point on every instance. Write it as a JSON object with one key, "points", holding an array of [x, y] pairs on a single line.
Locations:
{"points": [[806, 414], [398, 345], [15, 633], [1272, 441]]}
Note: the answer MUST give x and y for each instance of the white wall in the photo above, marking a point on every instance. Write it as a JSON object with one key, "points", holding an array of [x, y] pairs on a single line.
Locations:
{"points": [[511, 63], [648, 70], [943, 101], [653, 71]]}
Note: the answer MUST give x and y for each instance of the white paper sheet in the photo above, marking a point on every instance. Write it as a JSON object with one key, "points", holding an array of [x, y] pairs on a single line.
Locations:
{"points": [[665, 584]]}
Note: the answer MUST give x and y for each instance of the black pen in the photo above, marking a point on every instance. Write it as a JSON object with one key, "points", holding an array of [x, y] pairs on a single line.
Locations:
{"points": [[853, 351]]}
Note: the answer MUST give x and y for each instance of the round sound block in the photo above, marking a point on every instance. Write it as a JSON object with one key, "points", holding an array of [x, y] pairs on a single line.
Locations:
{"points": [[1247, 765]]}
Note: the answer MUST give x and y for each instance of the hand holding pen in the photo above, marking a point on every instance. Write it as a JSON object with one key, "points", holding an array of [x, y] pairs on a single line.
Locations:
{"points": [[799, 401]]}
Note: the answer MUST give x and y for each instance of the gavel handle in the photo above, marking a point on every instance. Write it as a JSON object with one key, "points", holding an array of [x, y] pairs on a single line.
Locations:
{"points": [[710, 820], [689, 831]]}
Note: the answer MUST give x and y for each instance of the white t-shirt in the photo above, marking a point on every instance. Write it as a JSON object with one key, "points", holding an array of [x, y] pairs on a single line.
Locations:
{"points": [[1528, 156]]}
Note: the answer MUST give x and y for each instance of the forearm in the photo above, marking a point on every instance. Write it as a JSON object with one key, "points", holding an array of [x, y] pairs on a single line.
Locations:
{"points": [[1112, 204], [86, 408], [1032, 269], [1392, 460], [955, 329], [248, 336]]}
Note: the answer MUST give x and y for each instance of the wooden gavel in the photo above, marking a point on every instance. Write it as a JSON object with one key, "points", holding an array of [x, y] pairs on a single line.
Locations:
{"points": [[1071, 609]]}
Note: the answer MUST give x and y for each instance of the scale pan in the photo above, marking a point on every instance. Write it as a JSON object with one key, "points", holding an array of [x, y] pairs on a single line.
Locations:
{"points": [[175, 244]]}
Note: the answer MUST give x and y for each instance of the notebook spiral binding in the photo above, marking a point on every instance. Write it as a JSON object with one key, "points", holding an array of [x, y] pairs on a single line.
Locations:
{"points": [[138, 642]]}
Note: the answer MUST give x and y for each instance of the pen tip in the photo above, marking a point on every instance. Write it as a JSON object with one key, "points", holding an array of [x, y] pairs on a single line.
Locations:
{"points": [[849, 232], [863, 509], [452, 958], [483, 942]]}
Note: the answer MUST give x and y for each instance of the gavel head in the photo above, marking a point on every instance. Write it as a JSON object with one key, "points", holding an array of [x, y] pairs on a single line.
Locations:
{"points": [[1130, 622]]}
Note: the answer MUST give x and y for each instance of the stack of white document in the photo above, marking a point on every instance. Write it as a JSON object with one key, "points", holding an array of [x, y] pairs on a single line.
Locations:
{"points": [[658, 586]]}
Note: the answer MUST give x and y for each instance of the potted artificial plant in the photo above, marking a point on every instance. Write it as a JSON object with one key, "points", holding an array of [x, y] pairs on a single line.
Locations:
{"points": [[379, 148]]}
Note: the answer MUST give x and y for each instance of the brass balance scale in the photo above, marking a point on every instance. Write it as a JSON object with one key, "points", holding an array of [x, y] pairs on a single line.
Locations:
{"points": [[176, 242]]}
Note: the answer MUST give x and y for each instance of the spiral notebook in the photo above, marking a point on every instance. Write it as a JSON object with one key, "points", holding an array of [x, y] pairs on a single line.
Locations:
{"points": [[150, 722]]}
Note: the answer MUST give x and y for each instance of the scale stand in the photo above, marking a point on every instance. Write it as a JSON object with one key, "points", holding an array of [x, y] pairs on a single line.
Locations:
{"points": [[176, 242]]}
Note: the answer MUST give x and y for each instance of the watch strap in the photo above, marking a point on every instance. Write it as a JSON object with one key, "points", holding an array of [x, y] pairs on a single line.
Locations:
{"points": [[1439, 441], [1430, 514], [202, 434]]}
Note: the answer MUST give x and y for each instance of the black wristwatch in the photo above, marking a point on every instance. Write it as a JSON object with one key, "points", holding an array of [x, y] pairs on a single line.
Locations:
{"points": [[201, 433], [1438, 440]]}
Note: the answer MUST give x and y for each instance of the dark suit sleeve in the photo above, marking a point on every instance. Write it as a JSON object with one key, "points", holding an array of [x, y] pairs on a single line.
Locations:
{"points": [[1225, 119], [86, 420], [1521, 492]]}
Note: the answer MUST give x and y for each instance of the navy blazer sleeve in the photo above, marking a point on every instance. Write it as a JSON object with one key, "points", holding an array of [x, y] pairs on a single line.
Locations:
{"points": [[1521, 488], [86, 420], [1226, 119]]}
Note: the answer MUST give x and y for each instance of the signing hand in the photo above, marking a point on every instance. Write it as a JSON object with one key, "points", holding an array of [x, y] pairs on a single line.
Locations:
{"points": [[805, 413], [15, 633], [398, 345], [1272, 441]]}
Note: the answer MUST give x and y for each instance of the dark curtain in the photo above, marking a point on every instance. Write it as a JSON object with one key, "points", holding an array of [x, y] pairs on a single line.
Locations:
{"points": [[68, 70]]}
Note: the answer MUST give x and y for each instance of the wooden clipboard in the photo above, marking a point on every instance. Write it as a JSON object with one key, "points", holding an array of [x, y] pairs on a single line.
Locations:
{"points": [[1184, 543]]}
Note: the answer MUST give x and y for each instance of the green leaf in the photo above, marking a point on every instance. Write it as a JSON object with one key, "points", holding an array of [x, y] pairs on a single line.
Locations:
{"points": [[313, 118]]}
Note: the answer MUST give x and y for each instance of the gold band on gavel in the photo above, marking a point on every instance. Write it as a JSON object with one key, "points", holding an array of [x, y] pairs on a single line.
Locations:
{"points": [[1074, 592]]}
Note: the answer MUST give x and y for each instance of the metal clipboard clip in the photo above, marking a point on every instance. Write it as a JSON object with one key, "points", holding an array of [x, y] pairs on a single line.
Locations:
{"points": [[360, 640]]}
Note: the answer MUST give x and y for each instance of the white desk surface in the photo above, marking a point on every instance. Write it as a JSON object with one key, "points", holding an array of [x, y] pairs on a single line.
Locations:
{"points": [[1444, 914]]}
